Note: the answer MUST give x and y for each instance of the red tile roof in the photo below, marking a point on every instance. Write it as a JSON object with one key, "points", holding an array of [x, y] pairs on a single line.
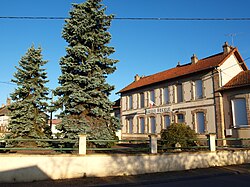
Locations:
{"points": [[240, 80], [202, 64]]}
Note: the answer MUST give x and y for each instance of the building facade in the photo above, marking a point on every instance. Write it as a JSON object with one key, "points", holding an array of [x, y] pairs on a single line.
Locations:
{"points": [[236, 105], [183, 94]]}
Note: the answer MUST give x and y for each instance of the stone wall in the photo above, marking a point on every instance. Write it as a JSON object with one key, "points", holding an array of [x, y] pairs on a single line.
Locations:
{"points": [[20, 168]]}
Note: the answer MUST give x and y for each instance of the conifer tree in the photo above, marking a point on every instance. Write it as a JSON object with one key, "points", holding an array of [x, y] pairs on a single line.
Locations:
{"points": [[28, 118], [83, 91]]}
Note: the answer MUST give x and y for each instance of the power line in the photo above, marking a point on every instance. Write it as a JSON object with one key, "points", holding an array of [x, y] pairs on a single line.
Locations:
{"points": [[9, 83], [185, 19], [129, 18]]}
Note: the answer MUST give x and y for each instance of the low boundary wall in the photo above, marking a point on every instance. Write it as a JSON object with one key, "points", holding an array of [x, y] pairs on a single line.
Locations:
{"points": [[23, 168]]}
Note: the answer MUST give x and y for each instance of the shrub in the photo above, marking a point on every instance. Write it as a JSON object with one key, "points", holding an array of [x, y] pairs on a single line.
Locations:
{"points": [[178, 133]]}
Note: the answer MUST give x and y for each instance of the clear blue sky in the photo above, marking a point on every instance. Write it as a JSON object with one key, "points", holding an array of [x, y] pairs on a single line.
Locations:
{"points": [[142, 47]]}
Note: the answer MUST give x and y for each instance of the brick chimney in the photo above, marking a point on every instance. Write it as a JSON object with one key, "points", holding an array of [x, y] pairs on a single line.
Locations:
{"points": [[137, 77], [8, 101], [194, 59], [226, 48]]}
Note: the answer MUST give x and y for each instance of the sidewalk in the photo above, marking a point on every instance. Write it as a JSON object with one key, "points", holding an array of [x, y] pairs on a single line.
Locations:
{"points": [[154, 178]]}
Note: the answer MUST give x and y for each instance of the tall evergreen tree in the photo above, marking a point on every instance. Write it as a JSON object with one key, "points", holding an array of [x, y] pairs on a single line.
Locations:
{"points": [[28, 118], [83, 94]]}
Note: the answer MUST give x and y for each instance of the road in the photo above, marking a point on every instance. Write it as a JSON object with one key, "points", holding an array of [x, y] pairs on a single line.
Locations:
{"points": [[230, 176]]}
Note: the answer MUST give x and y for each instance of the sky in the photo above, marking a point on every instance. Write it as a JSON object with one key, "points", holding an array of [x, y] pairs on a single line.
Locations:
{"points": [[142, 47]]}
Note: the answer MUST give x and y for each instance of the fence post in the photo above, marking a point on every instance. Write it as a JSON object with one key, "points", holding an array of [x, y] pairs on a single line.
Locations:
{"points": [[211, 141], [82, 144], [153, 143]]}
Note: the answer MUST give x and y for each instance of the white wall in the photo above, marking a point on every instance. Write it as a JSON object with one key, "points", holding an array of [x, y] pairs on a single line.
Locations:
{"points": [[229, 69], [20, 168]]}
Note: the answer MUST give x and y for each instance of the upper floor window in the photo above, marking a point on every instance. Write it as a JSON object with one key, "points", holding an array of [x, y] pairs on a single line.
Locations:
{"points": [[198, 89], [130, 105], [152, 95], [142, 104], [166, 95], [239, 112], [151, 101], [179, 93]]}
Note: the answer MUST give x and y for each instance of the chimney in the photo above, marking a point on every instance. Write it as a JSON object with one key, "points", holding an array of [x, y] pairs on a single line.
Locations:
{"points": [[137, 77], [226, 48], [8, 102], [194, 59], [178, 64]]}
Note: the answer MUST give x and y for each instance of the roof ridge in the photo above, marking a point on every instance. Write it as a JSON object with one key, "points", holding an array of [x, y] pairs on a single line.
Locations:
{"points": [[203, 64]]}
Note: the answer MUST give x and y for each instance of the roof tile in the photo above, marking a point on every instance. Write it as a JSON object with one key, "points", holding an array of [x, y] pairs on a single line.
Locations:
{"points": [[203, 64], [242, 79]]}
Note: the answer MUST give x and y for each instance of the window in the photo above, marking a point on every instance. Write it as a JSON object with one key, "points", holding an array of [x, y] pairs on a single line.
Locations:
{"points": [[130, 126], [130, 102], [166, 95], [166, 122], [239, 112], [180, 118], [152, 96], [198, 89], [141, 125], [152, 125], [179, 93], [142, 104], [200, 122]]}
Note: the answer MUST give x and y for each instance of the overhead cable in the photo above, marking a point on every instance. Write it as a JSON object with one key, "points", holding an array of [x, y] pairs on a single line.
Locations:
{"points": [[132, 18]]}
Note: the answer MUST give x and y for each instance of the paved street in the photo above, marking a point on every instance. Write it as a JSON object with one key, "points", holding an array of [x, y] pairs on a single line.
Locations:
{"points": [[213, 177]]}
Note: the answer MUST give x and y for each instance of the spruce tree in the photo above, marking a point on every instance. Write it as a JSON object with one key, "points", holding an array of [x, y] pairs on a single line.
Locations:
{"points": [[83, 92], [28, 107]]}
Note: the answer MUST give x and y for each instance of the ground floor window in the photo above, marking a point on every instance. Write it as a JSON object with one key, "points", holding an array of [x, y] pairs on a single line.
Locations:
{"points": [[200, 122], [239, 112], [130, 125], [153, 125], [142, 125], [180, 118], [166, 122]]}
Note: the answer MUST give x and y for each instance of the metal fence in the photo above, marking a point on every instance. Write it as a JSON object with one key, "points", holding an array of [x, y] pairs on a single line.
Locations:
{"points": [[54, 146]]}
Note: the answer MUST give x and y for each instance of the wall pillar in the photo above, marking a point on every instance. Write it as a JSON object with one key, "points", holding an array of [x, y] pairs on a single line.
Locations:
{"points": [[153, 143], [212, 142], [82, 144]]}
